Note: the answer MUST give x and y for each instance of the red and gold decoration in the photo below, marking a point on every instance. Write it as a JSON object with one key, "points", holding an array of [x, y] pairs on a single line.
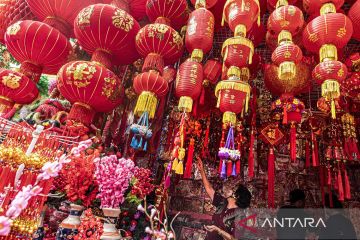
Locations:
{"points": [[136, 8], [38, 47], [91, 88], [117, 47], [354, 16]]}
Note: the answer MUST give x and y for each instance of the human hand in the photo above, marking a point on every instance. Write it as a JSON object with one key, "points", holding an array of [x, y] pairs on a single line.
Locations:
{"points": [[200, 164], [212, 228]]}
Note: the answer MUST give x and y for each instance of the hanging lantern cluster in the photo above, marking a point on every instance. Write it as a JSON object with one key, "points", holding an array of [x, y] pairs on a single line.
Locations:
{"points": [[91, 86], [326, 34], [160, 45], [234, 93]]}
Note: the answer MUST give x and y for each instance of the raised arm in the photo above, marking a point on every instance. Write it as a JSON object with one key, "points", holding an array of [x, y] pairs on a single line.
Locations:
{"points": [[208, 187]]}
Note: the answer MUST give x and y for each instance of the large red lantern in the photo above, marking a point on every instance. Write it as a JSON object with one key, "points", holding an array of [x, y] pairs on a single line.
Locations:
{"points": [[173, 13], [119, 41], [38, 47], [332, 29], [91, 88], [313, 7], [200, 30], [355, 19], [135, 8], [59, 14], [150, 86], [289, 18], [12, 11], [15, 88], [189, 84], [159, 44]]}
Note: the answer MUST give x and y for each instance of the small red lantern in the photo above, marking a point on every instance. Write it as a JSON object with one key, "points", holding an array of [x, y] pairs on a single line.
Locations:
{"points": [[15, 88], [135, 8], [331, 69], [150, 86], [159, 43], [237, 51], [313, 7], [173, 13], [289, 18], [91, 88], [355, 19], [12, 11], [332, 29], [200, 30], [59, 14], [188, 84], [212, 71], [272, 40], [119, 41], [241, 15], [39, 47]]}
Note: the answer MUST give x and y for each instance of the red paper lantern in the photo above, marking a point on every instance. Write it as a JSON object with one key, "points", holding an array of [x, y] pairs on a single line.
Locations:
{"points": [[15, 88], [200, 30], [272, 40], [241, 12], [300, 83], [355, 19], [209, 3], [160, 44], [289, 18], [174, 13], [334, 70], [287, 52], [331, 28], [91, 88], [136, 8], [108, 33], [312, 7], [237, 51], [39, 47], [12, 11], [188, 84], [257, 34], [59, 14], [351, 86], [150, 85], [212, 71]]}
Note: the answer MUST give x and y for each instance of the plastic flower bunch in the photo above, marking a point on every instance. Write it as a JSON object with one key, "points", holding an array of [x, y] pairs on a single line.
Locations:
{"points": [[141, 185], [113, 176], [90, 228], [78, 174]]}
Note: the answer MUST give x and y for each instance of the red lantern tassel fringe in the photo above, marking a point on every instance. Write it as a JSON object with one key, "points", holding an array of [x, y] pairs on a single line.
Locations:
{"points": [[315, 153], [340, 186], [328, 177], [293, 142], [307, 154], [229, 168], [347, 185], [189, 161], [285, 121], [238, 167], [271, 178], [251, 155]]}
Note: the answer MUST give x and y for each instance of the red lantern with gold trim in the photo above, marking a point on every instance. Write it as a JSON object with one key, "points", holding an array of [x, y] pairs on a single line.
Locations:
{"points": [[91, 88], [237, 51], [135, 8], [39, 47], [212, 71], [200, 30], [312, 7], [173, 13], [351, 86], [331, 28], [159, 44], [272, 40], [15, 88], [150, 86], [333, 70], [59, 14], [271, 4], [108, 33], [12, 11], [355, 19], [289, 18], [188, 84], [241, 14]]}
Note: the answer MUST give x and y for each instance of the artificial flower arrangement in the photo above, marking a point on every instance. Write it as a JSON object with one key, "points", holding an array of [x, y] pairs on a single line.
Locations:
{"points": [[90, 227]]}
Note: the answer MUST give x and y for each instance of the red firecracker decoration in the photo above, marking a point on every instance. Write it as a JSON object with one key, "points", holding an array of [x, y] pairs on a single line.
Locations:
{"points": [[91, 88], [109, 49], [38, 47]]}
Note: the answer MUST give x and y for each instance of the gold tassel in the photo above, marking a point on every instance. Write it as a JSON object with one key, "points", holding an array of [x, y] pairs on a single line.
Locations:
{"points": [[175, 163], [179, 168], [146, 102], [185, 104], [287, 70], [333, 109], [229, 117], [218, 100], [239, 86]]}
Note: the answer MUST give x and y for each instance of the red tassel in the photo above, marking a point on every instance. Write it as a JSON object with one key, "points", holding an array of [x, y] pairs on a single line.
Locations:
{"points": [[328, 177], [238, 167], [336, 183], [315, 153], [220, 166], [322, 181], [271, 178], [195, 108], [251, 155], [307, 154], [347, 149], [285, 120], [229, 168], [355, 147], [293, 142], [189, 161], [347, 185], [340, 186], [202, 96]]}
